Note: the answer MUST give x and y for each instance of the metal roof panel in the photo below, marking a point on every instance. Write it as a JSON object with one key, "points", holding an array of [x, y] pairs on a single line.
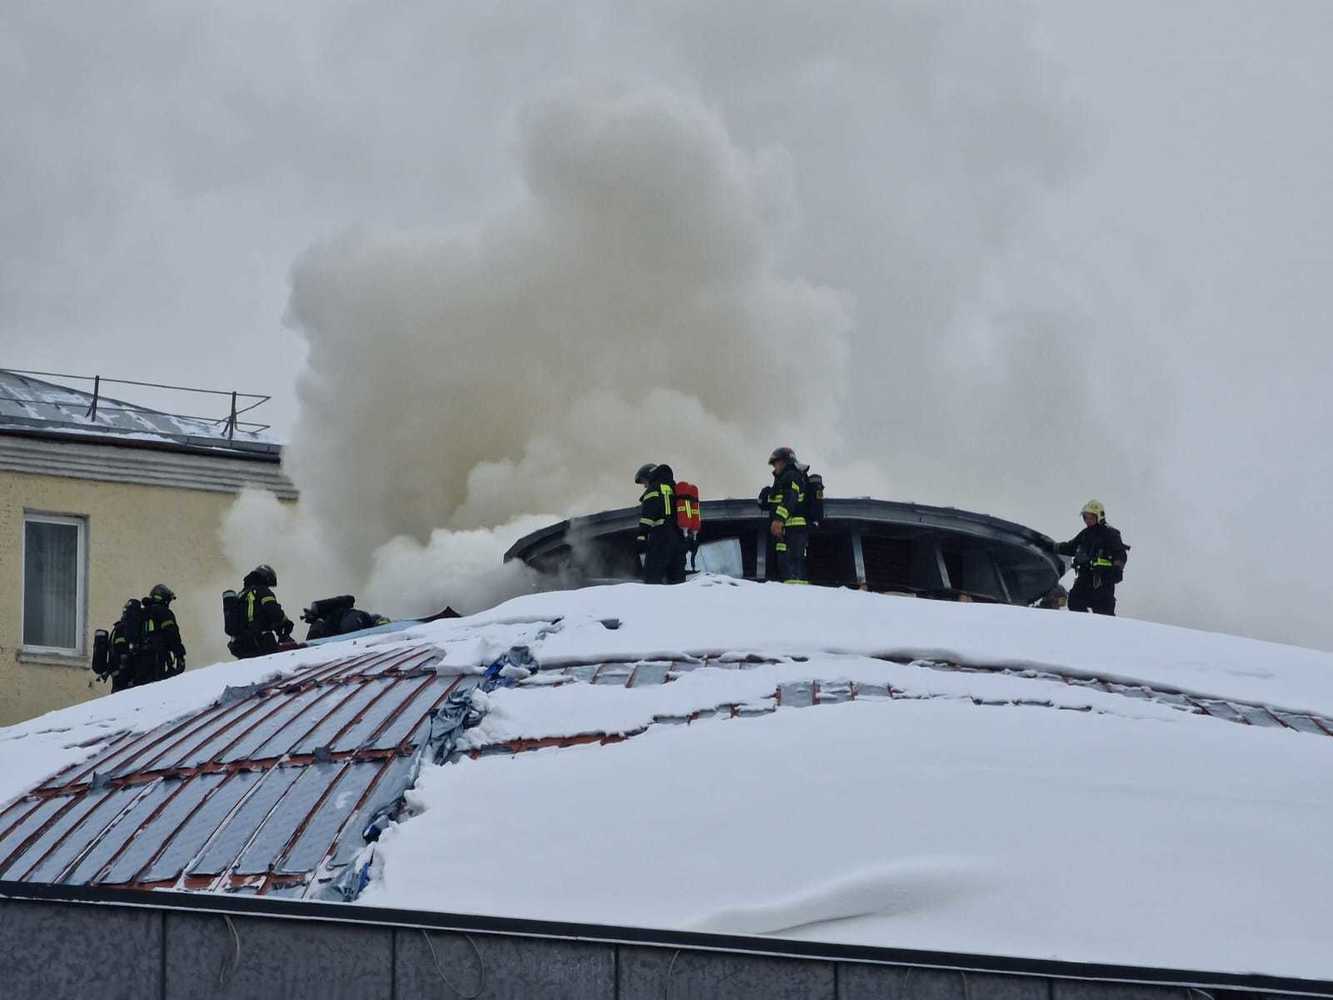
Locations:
{"points": [[162, 828], [108, 843], [199, 828], [263, 852], [316, 840], [232, 838]]}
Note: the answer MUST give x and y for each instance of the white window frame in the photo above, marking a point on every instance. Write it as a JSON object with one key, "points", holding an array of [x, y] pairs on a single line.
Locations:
{"points": [[81, 586]]}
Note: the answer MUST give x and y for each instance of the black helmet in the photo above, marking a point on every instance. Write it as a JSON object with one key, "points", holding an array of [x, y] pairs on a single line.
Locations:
{"points": [[783, 454], [265, 575], [161, 592], [645, 474]]}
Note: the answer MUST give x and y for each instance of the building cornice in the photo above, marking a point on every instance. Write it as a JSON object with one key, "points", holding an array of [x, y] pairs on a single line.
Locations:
{"points": [[144, 463]]}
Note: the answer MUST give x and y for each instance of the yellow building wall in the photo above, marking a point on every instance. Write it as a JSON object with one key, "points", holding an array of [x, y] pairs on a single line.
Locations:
{"points": [[136, 536]]}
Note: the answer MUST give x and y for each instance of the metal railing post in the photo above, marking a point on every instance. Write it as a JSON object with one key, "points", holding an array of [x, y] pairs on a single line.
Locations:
{"points": [[97, 391], [231, 421]]}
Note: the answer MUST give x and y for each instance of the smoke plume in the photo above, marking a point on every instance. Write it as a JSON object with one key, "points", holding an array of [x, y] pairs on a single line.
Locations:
{"points": [[1006, 256], [467, 384], [668, 283]]}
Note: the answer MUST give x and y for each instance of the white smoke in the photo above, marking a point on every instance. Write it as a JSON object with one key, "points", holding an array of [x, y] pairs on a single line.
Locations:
{"points": [[458, 569], [460, 383], [1088, 256]]}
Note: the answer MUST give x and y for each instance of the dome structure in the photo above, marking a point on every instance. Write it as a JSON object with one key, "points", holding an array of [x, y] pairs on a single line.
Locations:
{"points": [[884, 546]]}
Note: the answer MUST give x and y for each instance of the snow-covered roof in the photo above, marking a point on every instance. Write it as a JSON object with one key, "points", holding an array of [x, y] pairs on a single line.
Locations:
{"points": [[737, 757], [34, 405]]}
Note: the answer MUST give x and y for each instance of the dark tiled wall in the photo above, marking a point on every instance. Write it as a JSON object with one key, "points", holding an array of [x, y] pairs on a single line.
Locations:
{"points": [[55, 951]]}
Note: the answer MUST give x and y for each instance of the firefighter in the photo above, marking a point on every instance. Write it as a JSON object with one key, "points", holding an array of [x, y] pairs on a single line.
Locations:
{"points": [[124, 645], [1099, 562], [659, 541], [1055, 599], [787, 515], [263, 623], [335, 616], [161, 653]]}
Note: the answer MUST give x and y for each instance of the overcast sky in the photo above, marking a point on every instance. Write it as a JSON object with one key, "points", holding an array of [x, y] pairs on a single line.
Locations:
{"points": [[1086, 246]]}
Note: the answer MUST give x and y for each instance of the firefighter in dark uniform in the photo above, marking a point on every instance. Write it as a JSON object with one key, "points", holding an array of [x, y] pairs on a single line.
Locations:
{"points": [[161, 653], [264, 622], [1055, 599], [659, 540], [335, 616], [1099, 562], [787, 515], [124, 645], [145, 644]]}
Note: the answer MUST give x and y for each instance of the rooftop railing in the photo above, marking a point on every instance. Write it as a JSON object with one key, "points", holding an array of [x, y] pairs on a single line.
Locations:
{"points": [[240, 402]]}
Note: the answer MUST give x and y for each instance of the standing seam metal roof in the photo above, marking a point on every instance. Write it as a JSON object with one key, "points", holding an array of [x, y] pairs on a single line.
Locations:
{"points": [[258, 791]]}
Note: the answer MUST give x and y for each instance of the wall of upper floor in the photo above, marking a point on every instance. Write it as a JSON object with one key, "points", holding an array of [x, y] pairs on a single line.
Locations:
{"points": [[85, 527]]}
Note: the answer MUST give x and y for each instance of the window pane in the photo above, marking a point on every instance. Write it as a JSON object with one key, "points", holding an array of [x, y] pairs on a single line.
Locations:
{"points": [[722, 557], [50, 584]]}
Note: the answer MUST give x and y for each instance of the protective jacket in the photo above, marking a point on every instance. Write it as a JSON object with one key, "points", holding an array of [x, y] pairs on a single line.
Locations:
{"points": [[1097, 549], [161, 649], [263, 620], [262, 611], [657, 509], [123, 648], [660, 540], [786, 500]]}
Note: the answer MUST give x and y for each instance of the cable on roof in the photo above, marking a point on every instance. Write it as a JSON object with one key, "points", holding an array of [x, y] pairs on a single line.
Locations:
{"points": [[671, 968], [481, 966], [225, 973], [901, 991]]}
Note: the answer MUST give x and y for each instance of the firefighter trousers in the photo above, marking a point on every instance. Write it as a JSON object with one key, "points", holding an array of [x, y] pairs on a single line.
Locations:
{"points": [[664, 558], [253, 644], [791, 552], [1092, 592]]}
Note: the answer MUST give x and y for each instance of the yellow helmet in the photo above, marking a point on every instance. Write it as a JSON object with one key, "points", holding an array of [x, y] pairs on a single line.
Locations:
{"points": [[1094, 507]]}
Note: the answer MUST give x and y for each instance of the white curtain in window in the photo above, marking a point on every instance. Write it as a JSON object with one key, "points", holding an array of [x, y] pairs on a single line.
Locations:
{"points": [[51, 585]]}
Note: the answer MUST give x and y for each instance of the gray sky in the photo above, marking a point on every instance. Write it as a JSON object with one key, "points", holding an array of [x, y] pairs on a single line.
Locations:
{"points": [[1086, 246]]}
